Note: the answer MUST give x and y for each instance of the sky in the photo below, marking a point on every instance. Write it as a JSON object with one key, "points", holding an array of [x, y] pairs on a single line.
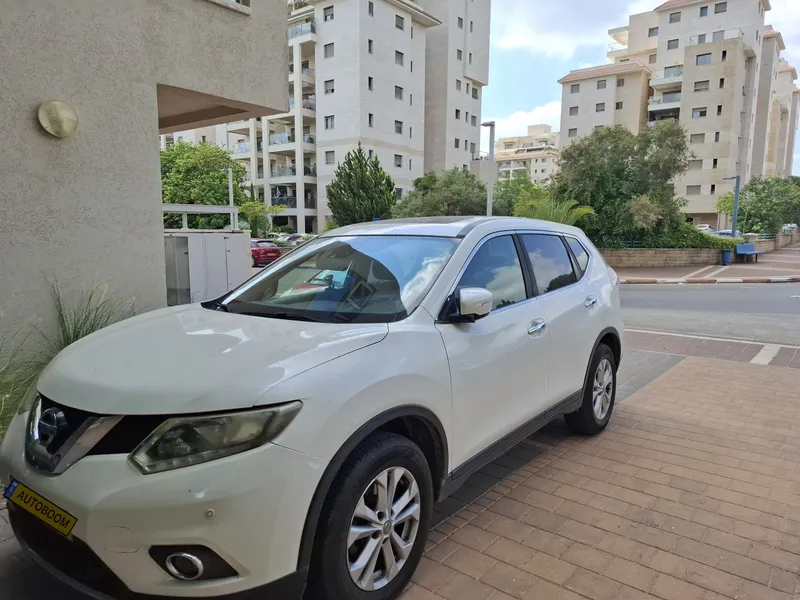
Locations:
{"points": [[536, 42]]}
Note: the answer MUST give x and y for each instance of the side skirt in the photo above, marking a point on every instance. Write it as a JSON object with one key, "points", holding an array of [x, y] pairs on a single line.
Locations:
{"points": [[459, 476]]}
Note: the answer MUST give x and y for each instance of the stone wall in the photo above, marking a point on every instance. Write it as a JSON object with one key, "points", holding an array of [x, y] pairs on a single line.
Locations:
{"points": [[660, 257]]}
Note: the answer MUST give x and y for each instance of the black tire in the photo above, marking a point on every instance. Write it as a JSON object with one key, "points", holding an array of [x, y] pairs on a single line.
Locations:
{"points": [[255, 264], [329, 577], [585, 420]]}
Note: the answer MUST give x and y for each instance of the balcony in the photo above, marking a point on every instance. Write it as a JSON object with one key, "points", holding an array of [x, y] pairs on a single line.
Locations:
{"points": [[665, 103], [286, 201], [309, 170], [671, 77], [301, 30], [310, 203], [617, 49], [620, 34], [241, 148], [278, 139], [720, 36], [308, 138], [283, 171]]}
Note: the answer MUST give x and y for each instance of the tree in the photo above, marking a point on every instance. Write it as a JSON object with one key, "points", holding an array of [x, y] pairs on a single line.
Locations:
{"points": [[546, 208], [508, 191], [609, 168], [453, 192], [764, 205], [198, 174], [257, 214], [361, 190]]}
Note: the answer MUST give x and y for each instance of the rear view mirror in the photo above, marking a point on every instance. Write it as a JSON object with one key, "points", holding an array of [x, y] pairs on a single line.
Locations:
{"points": [[474, 303]]}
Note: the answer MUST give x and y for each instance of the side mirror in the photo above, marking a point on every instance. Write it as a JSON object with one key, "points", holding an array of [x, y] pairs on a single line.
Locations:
{"points": [[474, 303]]}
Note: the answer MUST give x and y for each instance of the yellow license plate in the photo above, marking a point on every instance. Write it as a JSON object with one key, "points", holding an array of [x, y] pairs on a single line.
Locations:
{"points": [[39, 507]]}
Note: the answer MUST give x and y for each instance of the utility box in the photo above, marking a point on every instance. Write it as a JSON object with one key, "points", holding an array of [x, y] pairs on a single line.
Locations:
{"points": [[205, 264]]}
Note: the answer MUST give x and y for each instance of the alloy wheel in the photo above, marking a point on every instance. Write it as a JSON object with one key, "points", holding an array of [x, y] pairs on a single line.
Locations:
{"points": [[383, 529], [603, 389]]}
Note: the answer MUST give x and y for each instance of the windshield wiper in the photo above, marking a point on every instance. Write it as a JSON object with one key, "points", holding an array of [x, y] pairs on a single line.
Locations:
{"points": [[215, 305], [283, 315]]}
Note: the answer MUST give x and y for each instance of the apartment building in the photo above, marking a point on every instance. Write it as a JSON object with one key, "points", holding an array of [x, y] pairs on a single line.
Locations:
{"points": [[457, 58], [714, 67], [535, 154], [123, 81]]}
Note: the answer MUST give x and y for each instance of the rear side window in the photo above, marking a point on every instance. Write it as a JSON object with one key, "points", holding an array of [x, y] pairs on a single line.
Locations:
{"points": [[580, 253], [552, 267], [496, 267]]}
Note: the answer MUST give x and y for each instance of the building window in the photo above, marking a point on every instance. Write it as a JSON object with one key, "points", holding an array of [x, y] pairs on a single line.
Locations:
{"points": [[475, 92], [621, 82], [472, 147], [474, 121], [672, 44], [330, 157], [573, 111], [412, 66], [703, 11], [455, 143], [398, 160], [398, 127], [459, 54], [719, 110], [653, 59], [412, 32], [399, 22], [468, 87], [371, 120], [600, 107], [716, 163], [675, 17], [470, 58], [718, 36], [369, 83], [699, 113], [371, 153], [713, 188], [695, 165], [716, 137], [329, 86], [722, 83], [720, 8], [573, 132], [371, 8], [697, 138], [724, 55], [701, 86], [329, 122], [398, 58], [328, 50], [619, 105], [471, 24], [398, 92], [411, 99], [575, 88], [410, 132], [398, 192], [370, 46], [601, 85], [693, 190], [458, 85], [327, 13], [701, 39], [458, 113], [652, 32], [466, 117], [460, 23], [703, 59], [409, 164]]}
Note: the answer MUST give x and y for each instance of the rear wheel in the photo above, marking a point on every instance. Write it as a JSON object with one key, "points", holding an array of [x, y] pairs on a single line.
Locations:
{"points": [[255, 262], [374, 526], [598, 394]]}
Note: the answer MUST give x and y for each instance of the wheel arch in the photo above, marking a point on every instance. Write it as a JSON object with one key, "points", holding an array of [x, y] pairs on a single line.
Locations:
{"points": [[611, 338], [416, 423]]}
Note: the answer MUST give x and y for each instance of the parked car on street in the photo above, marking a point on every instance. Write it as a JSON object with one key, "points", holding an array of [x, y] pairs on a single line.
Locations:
{"points": [[264, 252], [292, 436], [728, 233], [705, 228]]}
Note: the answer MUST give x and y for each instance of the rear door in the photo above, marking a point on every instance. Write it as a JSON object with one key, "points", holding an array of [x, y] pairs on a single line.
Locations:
{"points": [[498, 364], [572, 309]]}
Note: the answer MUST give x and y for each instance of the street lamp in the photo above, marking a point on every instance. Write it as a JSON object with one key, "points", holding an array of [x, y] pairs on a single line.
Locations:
{"points": [[492, 169], [735, 201]]}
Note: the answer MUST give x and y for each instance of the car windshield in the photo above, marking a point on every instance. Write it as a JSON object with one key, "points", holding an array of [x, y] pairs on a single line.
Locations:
{"points": [[366, 279], [265, 245]]}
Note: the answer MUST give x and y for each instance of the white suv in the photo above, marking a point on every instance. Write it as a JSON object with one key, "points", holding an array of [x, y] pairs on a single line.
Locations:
{"points": [[291, 438]]}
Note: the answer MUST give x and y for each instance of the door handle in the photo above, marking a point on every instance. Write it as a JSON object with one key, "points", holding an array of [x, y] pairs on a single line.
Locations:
{"points": [[536, 326], [590, 302]]}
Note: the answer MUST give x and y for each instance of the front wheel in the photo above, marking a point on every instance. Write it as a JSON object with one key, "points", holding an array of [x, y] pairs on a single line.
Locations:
{"points": [[598, 394], [374, 526]]}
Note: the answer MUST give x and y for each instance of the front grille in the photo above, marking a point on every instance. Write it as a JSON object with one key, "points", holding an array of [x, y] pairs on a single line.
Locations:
{"points": [[74, 419]]}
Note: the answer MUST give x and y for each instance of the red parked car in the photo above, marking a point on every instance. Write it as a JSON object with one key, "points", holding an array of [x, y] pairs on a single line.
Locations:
{"points": [[264, 252]]}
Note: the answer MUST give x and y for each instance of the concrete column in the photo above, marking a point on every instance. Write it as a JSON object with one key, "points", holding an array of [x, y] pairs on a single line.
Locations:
{"points": [[297, 116]]}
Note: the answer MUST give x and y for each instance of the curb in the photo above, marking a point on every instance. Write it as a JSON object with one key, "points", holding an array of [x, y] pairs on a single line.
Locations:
{"points": [[639, 280]]}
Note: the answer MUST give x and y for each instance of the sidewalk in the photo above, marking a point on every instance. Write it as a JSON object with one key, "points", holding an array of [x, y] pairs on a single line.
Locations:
{"points": [[781, 266]]}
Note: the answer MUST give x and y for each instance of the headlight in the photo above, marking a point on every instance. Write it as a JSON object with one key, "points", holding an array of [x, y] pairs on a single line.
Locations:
{"points": [[182, 442]]}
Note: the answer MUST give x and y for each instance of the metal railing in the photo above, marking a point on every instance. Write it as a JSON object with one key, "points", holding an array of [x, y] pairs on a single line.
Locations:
{"points": [[308, 138], [308, 102], [283, 171], [310, 203], [665, 99], [281, 138], [716, 36], [303, 70], [668, 73], [302, 29], [310, 170], [287, 201], [657, 121], [240, 147]]}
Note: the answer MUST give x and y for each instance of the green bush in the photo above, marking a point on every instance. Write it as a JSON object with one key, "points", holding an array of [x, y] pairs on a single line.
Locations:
{"points": [[688, 236]]}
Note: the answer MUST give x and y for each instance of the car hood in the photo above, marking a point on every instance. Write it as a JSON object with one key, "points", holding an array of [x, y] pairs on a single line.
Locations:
{"points": [[191, 359]]}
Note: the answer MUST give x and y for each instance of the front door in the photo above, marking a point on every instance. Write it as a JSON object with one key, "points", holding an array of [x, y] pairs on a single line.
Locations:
{"points": [[570, 302], [498, 364]]}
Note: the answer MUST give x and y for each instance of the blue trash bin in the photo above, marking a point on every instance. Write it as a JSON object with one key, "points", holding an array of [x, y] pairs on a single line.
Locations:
{"points": [[726, 257]]}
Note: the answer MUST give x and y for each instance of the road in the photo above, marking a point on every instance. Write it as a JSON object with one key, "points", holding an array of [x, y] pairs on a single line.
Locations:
{"points": [[759, 312]]}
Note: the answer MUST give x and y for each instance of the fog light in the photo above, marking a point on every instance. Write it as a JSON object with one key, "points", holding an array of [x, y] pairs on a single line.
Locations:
{"points": [[186, 567]]}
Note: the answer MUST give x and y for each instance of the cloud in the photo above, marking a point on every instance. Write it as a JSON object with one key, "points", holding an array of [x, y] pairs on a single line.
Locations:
{"points": [[517, 123]]}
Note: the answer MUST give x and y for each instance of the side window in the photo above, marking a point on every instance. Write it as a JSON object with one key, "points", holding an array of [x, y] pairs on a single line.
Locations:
{"points": [[496, 267], [581, 255], [552, 267]]}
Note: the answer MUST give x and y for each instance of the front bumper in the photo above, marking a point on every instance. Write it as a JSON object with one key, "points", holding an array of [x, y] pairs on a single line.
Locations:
{"points": [[250, 509]]}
